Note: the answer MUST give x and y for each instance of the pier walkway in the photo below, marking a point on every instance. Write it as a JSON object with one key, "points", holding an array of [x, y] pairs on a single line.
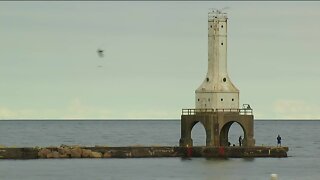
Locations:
{"points": [[140, 152]]}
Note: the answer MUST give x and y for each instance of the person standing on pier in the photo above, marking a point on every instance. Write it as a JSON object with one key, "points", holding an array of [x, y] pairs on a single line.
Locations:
{"points": [[278, 140], [240, 140]]}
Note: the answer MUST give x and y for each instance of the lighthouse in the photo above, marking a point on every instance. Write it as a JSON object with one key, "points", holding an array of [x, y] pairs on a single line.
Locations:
{"points": [[217, 98], [217, 91]]}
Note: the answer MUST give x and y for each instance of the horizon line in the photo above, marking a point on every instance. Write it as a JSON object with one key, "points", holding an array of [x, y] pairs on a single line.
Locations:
{"points": [[139, 119]]}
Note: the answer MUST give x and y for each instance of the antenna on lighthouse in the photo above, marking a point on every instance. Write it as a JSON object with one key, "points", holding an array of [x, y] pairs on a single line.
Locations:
{"points": [[218, 11], [214, 12]]}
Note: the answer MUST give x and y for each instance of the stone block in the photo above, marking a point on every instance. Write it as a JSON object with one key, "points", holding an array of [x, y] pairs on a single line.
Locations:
{"points": [[43, 153], [76, 152], [107, 155], [86, 153], [96, 155], [55, 154]]}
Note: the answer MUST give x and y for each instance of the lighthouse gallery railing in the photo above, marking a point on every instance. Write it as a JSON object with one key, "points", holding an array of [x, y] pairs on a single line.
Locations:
{"points": [[198, 111]]}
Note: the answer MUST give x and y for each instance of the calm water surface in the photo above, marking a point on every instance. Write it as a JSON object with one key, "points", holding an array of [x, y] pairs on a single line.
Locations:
{"points": [[302, 137]]}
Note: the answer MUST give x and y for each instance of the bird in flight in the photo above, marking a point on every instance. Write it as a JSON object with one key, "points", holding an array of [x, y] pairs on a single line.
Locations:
{"points": [[100, 52]]}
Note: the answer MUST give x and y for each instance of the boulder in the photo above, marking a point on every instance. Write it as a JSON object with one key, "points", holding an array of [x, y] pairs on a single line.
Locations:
{"points": [[43, 153], [96, 155], [107, 155], [64, 151], [53, 154], [86, 153], [64, 156], [75, 152], [49, 155]]}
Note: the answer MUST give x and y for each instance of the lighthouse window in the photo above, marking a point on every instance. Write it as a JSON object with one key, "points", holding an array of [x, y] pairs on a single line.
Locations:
{"points": [[221, 26], [211, 26], [221, 99], [222, 43], [232, 99], [209, 99], [198, 99], [224, 79], [207, 79]]}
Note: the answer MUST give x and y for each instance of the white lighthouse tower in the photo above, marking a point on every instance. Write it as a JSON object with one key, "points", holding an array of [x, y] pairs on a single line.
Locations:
{"points": [[217, 91], [217, 99]]}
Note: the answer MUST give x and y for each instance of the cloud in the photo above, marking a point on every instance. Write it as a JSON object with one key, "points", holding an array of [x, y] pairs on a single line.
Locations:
{"points": [[296, 109]]}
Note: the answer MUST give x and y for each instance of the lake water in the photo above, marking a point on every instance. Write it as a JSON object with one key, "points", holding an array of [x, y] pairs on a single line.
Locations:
{"points": [[302, 137]]}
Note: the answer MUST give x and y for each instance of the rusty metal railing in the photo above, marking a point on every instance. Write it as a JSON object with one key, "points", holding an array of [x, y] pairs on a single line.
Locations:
{"points": [[244, 111]]}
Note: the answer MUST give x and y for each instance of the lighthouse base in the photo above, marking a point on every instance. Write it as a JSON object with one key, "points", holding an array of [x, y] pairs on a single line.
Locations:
{"points": [[217, 124]]}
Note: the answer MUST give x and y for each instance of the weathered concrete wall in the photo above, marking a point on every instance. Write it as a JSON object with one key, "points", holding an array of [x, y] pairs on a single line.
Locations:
{"points": [[245, 152], [140, 152], [18, 153], [217, 91], [217, 125]]}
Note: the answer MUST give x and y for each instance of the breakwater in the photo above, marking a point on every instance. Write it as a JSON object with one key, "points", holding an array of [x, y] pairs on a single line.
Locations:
{"points": [[139, 152]]}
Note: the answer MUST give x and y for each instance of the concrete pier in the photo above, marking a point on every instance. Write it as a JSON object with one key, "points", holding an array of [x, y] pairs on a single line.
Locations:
{"points": [[140, 152]]}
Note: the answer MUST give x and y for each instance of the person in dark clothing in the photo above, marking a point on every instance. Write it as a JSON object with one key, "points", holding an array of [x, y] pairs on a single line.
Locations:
{"points": [[240, 141], [279, 140]]}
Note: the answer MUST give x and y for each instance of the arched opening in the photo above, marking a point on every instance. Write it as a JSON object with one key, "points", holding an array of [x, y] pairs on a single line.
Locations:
{"points": [[198, 134], [230, 133], [235, 132]]}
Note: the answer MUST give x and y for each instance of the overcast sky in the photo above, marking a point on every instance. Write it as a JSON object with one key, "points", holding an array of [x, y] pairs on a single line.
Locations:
{"points": [[155, 58]]}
